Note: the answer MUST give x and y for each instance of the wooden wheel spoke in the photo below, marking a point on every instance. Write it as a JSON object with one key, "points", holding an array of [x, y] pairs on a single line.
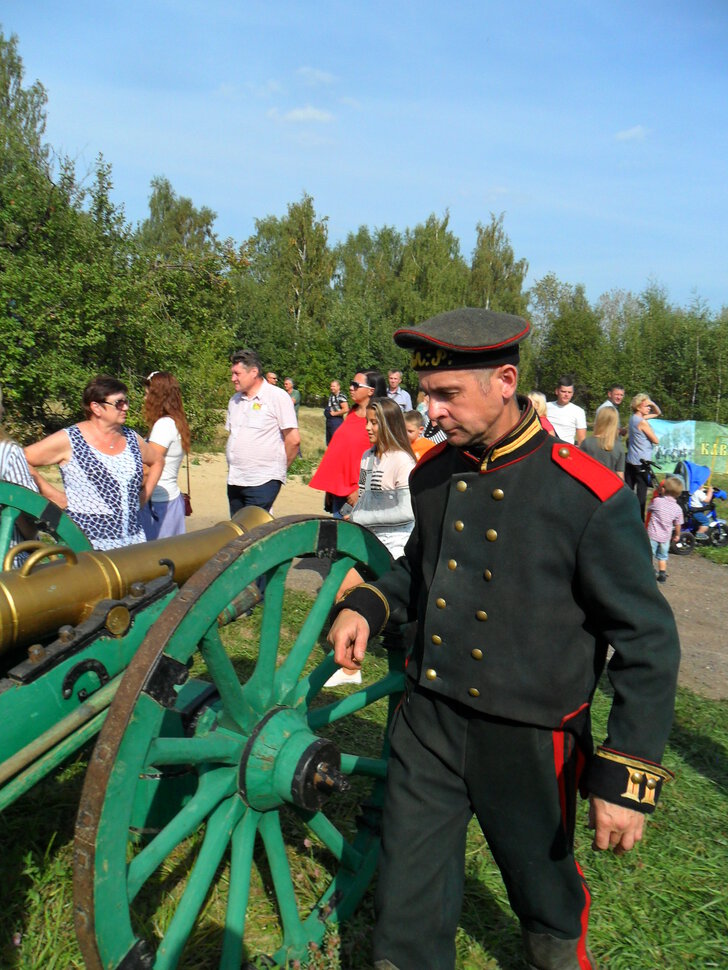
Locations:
{"points": [[292, 667], [8, 518], [222, 671], [319, 717], [270, 830], [334, 840], [213, 787], [241, 861], [219, 747], [354, 764], [217, 837], [260, 684]]}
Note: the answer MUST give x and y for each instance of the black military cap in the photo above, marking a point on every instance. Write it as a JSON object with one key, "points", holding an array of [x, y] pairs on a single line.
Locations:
{"points": [[464, 338]]}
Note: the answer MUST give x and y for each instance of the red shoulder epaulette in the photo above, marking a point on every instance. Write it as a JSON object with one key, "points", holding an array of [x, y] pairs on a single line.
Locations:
{"points": [[430, 453], [597, 477]]}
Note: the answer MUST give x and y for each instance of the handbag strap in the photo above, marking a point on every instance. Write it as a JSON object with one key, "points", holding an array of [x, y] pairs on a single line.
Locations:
{"points": [[187, 456]]}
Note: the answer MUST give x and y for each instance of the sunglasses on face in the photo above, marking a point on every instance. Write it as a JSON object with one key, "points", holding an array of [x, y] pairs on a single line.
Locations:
{"points": [[119, 405], [356, 385]]}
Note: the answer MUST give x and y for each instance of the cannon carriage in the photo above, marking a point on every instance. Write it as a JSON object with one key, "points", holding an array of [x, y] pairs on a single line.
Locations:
{"points": [[220, 767]]}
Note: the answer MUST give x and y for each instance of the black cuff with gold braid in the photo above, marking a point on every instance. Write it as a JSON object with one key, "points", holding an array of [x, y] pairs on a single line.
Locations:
{"points": [[368, 601], [625, 781]]}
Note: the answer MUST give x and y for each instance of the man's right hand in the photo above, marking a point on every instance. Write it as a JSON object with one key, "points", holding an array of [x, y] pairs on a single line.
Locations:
{"points": [[349, 636]]}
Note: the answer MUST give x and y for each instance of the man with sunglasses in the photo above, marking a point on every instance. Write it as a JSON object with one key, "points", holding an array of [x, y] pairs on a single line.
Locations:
{"points": [[263, 434], [510, 575]]}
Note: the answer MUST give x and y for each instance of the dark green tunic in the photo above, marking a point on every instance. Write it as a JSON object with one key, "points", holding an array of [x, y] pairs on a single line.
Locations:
{"points": [[524, 566]]}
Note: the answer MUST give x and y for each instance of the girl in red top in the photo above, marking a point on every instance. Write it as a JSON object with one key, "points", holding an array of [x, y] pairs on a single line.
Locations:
{"points": [[338, 472]]}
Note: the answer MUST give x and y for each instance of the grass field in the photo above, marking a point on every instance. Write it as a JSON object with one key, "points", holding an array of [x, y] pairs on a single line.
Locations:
{"points": [[663, 906]]}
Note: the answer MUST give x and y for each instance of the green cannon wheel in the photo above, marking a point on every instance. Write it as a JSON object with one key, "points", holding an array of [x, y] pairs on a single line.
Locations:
{"points": [[280, 823], [48, 518]]}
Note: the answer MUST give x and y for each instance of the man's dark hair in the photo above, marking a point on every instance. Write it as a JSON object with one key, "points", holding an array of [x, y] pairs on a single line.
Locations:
{"points": [[566, 380], [249, 359], [615, 387]]}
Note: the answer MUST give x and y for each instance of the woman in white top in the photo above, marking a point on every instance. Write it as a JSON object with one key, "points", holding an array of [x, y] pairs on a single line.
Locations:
{"points": [[164, 513], [384, 505]]}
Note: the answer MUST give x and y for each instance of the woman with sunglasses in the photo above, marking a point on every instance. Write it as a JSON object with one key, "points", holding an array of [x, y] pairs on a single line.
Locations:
{"points": [[164, 513], [338, 472], [102, 467]]}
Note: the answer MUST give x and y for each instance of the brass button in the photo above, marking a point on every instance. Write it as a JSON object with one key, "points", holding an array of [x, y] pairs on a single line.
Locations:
{"points": [[437, 640], [459, 526], [497, 494], [431, 674], [563, 452], [461, 486], [440, 603], [476, 654], [487, 575], [473, 691], [491, 535], [481, 615], [452, 564]]}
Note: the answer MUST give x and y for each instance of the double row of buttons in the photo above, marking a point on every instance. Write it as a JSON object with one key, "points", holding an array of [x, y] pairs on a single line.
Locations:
{"points": [[491, 535]]}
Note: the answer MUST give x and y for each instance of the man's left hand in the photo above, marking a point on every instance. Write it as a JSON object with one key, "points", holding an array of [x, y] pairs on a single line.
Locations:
{"points": [[614, 827]]}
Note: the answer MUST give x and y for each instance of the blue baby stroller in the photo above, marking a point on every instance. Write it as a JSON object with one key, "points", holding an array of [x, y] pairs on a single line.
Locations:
{"points": [[693, 477]]}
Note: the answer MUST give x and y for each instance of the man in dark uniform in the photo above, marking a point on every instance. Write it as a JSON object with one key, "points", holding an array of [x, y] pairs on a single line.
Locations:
{"points": [[510, 573]]}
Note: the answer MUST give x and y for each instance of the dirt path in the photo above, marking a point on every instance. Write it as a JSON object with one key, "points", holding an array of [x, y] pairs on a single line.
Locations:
{"points": [[697, 590]]}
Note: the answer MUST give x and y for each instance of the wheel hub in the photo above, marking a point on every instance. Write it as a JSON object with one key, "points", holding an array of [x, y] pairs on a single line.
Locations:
{"points": [[285, 762]]}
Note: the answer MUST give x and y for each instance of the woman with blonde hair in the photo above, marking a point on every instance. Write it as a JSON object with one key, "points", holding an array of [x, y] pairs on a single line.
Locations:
{"points": [[604, 445], [641, 441], [539, 405], [169, 438]]}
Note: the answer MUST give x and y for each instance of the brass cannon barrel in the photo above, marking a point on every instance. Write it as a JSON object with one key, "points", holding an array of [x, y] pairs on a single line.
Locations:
{"points": [[36, 601]]}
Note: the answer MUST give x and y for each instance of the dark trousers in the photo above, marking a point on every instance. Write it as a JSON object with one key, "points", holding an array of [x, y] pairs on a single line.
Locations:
{"points": [[636, 478], [446, 764], [262, 496], [331, 425]]}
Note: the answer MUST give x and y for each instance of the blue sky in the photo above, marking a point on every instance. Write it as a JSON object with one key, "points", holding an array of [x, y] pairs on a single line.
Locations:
{"points": [[598, 128]]}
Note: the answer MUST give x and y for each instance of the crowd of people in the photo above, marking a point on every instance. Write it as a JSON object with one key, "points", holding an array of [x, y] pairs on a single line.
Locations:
{"points": [[121, 488]]}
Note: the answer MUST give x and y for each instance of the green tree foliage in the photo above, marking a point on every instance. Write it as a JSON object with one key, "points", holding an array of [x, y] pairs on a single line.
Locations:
{"points": [[64, 268], [284, 294], [572, 343], [434, 276], [175, 225], [365, 309], [185, 274], [83, 293], [496, 276]]}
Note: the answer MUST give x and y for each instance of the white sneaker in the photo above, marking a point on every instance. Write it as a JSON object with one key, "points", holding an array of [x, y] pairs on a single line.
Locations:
{"points": [[342, 677]]}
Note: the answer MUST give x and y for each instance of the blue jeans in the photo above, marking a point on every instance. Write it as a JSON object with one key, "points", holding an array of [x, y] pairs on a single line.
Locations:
{"points": [[263, 496]]}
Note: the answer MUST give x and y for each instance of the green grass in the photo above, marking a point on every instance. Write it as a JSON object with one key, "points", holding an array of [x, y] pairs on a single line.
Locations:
{"points": [[664, 905]]}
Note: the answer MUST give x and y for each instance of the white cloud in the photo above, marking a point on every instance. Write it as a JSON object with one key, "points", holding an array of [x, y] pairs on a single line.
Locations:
{"points": [[313, 76], [303, 115], [637, 133]]}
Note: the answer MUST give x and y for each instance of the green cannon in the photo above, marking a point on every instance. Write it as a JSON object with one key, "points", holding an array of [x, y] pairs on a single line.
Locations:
{"points": [[212, 774]]}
